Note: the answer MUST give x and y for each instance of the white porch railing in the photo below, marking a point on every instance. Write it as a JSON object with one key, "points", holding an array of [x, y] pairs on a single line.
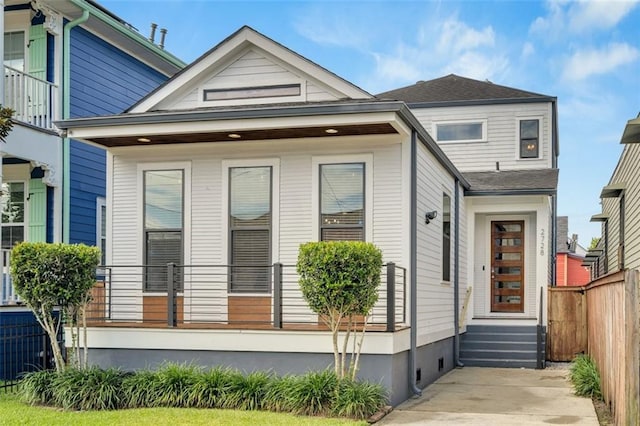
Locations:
{"points": [[8, 295], [32, 99]]}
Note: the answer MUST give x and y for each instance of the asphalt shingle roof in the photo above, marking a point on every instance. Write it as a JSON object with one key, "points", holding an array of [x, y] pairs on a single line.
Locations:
{"points": [[455, 88], [513, 180]]}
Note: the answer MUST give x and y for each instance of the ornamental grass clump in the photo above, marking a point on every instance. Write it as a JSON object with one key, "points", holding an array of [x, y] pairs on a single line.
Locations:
{"points": [[585, 377], [187, 386], [210, 388]]}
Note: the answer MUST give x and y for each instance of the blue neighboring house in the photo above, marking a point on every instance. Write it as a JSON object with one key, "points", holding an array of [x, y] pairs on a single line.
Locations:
{"points": [[64, 59]]}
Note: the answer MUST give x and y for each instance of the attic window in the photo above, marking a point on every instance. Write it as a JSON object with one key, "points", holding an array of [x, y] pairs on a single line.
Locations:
{"points": [[279, 90], [467, 131]]}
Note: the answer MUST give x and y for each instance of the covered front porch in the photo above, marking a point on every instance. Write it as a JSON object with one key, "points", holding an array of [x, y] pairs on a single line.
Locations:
{"points": [[200, 298]]}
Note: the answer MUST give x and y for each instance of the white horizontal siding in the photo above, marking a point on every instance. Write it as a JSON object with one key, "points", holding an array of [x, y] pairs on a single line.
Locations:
{"points": [[208, 237], [251, 69], [434, 298], [502, 143]]}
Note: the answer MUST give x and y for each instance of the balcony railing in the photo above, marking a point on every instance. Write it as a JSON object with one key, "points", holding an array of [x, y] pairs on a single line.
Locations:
{"points": [[32, 99], [8, 295], [200, 297]]}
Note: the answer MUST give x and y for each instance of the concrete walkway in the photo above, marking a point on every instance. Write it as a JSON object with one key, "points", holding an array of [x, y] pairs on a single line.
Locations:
{"points": [[496, 396]]}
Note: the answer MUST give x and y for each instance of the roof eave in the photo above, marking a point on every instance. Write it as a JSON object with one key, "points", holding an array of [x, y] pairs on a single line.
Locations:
{"points": [[472, 102], [502, 192]]}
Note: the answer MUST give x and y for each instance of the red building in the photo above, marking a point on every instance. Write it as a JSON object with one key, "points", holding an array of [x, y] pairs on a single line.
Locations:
{"points": [[569, 258]]}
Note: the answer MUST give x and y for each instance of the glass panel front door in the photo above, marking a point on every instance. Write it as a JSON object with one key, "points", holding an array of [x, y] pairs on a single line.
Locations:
{"points": [[507, 266]]}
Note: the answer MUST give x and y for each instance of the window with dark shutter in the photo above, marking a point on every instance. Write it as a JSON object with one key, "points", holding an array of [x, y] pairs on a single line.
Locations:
{"points": [[163, 226], [342, 202], [250, 229]]}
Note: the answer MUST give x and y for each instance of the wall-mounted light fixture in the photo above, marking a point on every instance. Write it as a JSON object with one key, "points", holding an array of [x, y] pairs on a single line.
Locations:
{"points": [[429, 216]]}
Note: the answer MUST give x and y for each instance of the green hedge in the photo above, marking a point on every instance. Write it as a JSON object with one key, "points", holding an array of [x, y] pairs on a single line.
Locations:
{"points": [[188, 386]]}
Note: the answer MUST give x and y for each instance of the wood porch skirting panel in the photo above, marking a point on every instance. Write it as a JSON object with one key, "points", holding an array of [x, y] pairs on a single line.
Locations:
{"points": [[154, 308], [249, 309]]}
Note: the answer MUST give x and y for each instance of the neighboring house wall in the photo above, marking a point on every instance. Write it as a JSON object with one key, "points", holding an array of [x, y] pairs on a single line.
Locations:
{"points": [[628, 173], [502, 132], [570, 272], [104, 80]]}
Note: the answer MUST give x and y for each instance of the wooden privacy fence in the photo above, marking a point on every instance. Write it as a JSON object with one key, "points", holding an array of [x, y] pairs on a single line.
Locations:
{"points": [[609, 310]]}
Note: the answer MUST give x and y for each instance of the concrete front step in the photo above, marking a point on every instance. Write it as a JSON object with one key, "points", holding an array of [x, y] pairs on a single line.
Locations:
{"points": [[497, 354], [501, 329], [500, 337], [499, 363], [500, 346]]}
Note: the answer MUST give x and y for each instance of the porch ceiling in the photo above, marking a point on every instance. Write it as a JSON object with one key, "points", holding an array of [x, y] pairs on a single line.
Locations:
{"points": [[253, 135]]}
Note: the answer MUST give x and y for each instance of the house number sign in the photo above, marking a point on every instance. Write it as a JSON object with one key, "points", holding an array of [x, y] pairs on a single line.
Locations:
{"points": [[542, 242]]}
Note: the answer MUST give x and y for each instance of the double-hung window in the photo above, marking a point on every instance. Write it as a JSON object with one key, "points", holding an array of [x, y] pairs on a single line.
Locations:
{"points": [[101, 228], [13, 213], [163, 226], [342, 189], [529, 138], [250, 229]]}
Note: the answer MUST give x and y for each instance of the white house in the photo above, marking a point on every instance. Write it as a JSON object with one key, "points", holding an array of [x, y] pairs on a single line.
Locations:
{"points": [[504, 142], [252, 150]]}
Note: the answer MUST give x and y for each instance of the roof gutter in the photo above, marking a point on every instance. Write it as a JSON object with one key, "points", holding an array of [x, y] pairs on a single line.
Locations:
{"points": [[482, 193], [66, 111], [134, 36]]}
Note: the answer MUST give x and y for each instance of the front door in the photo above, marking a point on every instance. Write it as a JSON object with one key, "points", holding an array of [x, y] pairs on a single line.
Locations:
{"points": [[507, 266]]}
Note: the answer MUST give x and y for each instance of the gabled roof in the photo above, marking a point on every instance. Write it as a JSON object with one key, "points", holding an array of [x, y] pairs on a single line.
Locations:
{"points": [[229, 49], [454, 88], [513, 182]]}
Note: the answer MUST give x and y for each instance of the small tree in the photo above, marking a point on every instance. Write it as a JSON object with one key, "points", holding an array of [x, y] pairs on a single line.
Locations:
{"points": [[47, 276], [6, 122], [339, 281]]}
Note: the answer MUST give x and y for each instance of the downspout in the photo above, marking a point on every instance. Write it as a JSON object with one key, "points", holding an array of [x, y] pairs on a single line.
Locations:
{"points": [[66, 109], [555, 151], [456, 280], [413, 232]]}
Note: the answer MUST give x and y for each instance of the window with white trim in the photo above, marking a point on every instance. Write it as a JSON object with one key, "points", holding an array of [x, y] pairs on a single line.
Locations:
{"points": [[342, 189], [101, 228], [250, 229], [13, 199], [446, 238], [14, 47], [529, 138], [461, 131], [163, 226]]}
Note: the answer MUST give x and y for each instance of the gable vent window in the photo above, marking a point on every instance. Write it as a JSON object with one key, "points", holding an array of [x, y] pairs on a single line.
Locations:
{"points": [[529, 138], [471, 131], [280, 90]]}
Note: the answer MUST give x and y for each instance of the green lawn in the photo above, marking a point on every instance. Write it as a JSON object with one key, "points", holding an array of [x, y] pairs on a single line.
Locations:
{"points": [[13, 412]]}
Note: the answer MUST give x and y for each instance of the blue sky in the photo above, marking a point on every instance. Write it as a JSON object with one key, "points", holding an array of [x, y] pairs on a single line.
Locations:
{"points": [[587, 54]]}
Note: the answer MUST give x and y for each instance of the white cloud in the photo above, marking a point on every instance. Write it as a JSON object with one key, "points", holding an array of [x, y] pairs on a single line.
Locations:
{"points": [[580, 17], [587, 62], [528, 49], [448, 46], [458, 37], [598, 14], [331, 29]]}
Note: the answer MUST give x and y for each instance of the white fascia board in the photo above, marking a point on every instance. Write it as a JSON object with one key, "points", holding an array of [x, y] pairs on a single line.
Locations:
{"points": [[232, 125], [238, 340], [308, 67]]}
